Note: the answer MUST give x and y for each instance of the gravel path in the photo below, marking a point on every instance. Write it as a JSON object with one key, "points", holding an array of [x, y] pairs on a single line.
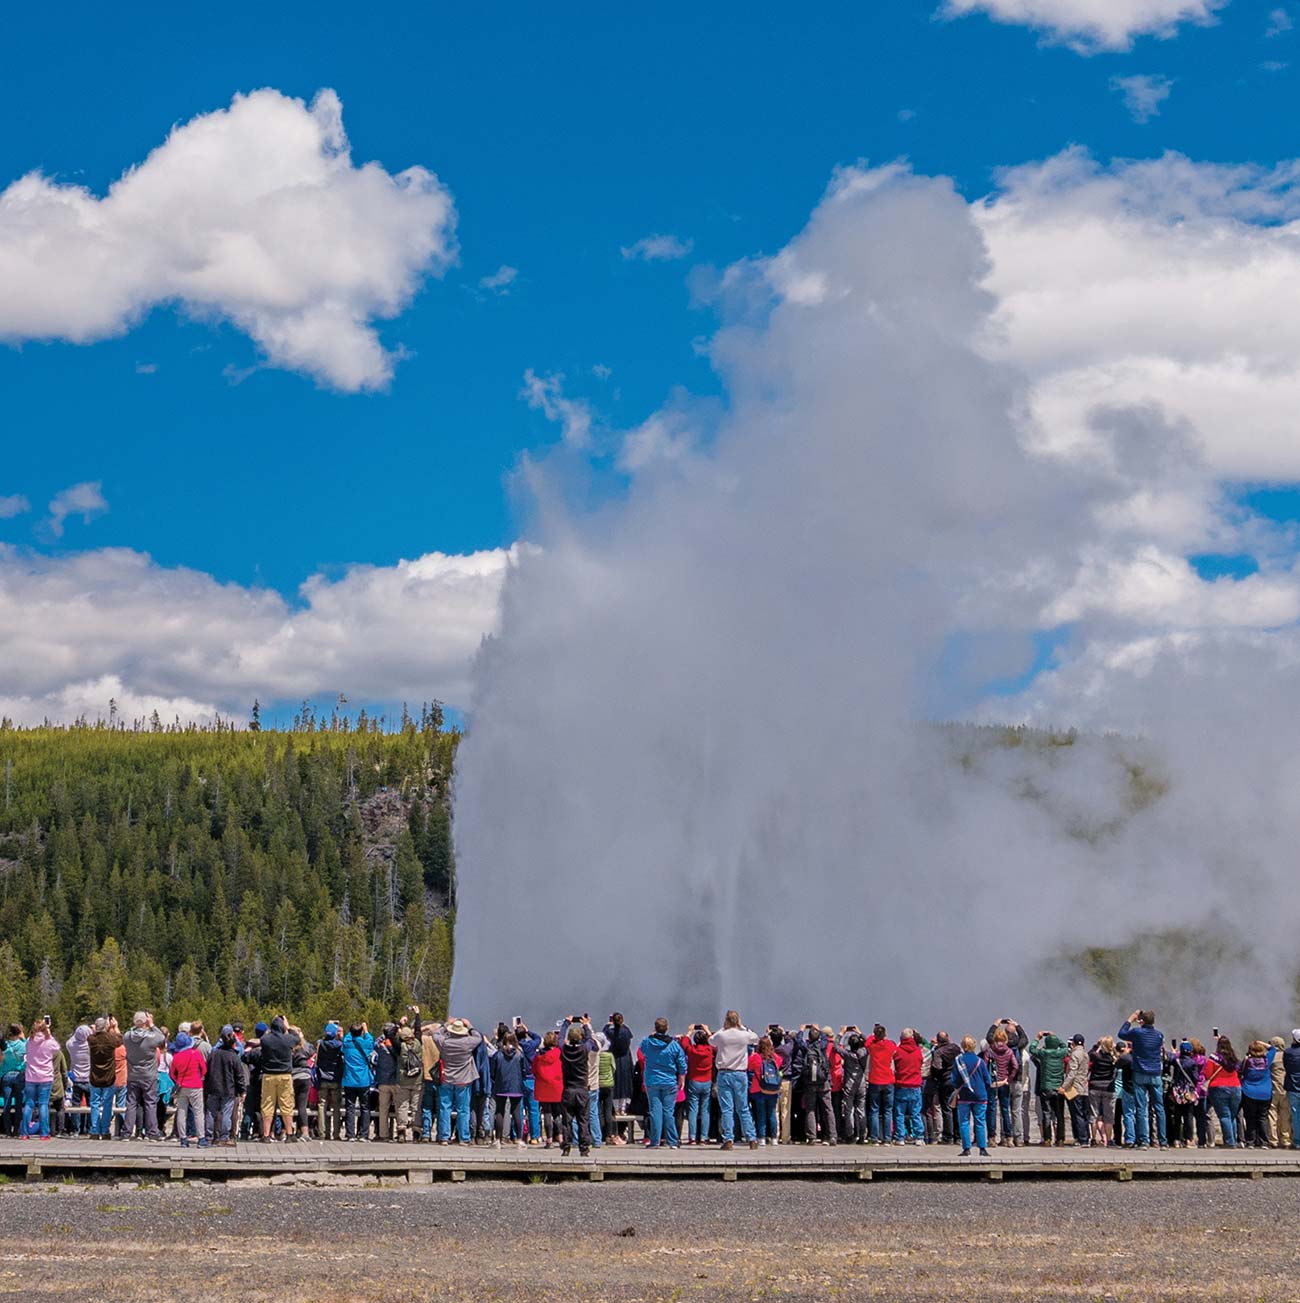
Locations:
{"points": [[655, 1241]]}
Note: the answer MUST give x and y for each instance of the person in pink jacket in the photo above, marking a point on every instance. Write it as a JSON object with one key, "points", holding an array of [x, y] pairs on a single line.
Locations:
{"points": [[42, 1050]]}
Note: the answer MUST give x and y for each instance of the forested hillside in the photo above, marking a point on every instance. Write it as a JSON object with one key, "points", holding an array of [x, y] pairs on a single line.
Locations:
{"points": [[219, 873]]}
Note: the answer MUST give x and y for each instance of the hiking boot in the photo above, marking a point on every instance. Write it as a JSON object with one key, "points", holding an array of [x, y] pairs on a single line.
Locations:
{"points": [[753, 1144], [984, 1153], [726, 1144]]}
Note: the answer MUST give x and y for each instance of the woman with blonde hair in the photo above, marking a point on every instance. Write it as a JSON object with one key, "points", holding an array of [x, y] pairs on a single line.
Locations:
{"points": [[1101, 1090], [970, 1086]]}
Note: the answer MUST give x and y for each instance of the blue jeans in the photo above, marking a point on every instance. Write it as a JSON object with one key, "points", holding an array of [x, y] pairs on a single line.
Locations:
{"points": [[698, 1107], [907, 1113], [763, 1107], [1000, 1104], [593, 1121], [36, 1098], [1148, 1093], [458, 1097], [534, 1113], [1226, 1103], [978, 1110], [101, 1109], [880, 1111], [220, 1116], [663, 1125], [1128, 1107], [428, 1108], [1293, 1099], [11, 1098], [733, 1098]]}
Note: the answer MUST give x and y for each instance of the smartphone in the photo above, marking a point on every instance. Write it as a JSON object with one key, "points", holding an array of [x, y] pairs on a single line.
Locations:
{"points": [[1216, 1032]]}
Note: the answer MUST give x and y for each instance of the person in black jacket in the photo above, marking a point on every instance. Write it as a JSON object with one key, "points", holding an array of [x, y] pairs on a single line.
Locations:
{"points": [[575, 1103], [943, 1120], [329, 1083], [619, 1036], [225, 1083], [853, 1098], [1291, 1080], [276, 1063]]}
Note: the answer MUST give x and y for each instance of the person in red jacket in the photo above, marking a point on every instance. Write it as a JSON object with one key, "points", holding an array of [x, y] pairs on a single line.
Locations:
{"points": [[907, 1090], [189, 1069], [837, 1071], [699, 1082], [880, 1085], [548, 1086]]}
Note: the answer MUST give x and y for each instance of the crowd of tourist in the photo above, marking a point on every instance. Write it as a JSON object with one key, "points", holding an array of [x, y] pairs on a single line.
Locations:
{"points": [[452, 1083]]}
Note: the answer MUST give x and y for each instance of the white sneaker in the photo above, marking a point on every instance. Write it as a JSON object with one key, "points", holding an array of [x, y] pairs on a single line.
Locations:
{"points": [[496, 1144], [774, 1142]]}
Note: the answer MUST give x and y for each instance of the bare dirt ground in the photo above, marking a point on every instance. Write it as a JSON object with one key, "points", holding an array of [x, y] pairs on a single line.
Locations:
{"points": [[652, 1241]]}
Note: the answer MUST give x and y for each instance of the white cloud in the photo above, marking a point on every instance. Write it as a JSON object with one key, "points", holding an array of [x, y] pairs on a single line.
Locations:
{"points": [[1164, 283], [85, 500], [501, 280], [146, 368], [657, 248], [1153, 589], [13, 504], [1279, 23], [1092, 25], [665, 436], [1143, 94], [254, 214], [571, 414], [76, 630]]}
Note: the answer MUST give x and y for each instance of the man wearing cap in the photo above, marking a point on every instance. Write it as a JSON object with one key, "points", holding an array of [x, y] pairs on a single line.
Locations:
{"points": [[457, 1043], [1074, 1087], [142, 1043], [329, 1083]]}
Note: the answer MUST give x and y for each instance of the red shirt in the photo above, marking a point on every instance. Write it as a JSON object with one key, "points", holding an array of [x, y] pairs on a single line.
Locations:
{"points": [[189, 1068], [880, 1072], [548, 1076], [699, 1060], [837, 1065], [907, 1063]]}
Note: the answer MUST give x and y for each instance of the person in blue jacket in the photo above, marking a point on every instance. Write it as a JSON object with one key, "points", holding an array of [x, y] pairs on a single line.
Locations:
{"points": [[529, 1044], [1148, 1068], [972, 1084], [1257, 1093], [1291, 1080], [358, 1074], [665, 1073]]}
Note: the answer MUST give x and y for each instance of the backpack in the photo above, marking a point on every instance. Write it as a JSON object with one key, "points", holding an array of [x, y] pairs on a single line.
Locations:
{"points": [[816, 1066], [411, 1061], [769, 1075]]}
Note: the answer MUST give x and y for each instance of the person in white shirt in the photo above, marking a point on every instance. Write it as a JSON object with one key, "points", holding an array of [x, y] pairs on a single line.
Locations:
{"points": [[732, 1045]]}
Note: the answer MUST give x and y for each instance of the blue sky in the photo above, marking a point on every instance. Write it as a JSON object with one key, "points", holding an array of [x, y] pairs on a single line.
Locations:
{"points": [[563, 134]]}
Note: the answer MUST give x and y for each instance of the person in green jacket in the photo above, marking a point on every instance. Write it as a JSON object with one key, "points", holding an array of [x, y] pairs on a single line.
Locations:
{"points": [[607, 1091], [1049, 1053]]}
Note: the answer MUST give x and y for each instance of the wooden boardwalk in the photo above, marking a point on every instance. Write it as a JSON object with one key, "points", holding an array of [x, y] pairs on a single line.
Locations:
{"points": [[425, 1164]]}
